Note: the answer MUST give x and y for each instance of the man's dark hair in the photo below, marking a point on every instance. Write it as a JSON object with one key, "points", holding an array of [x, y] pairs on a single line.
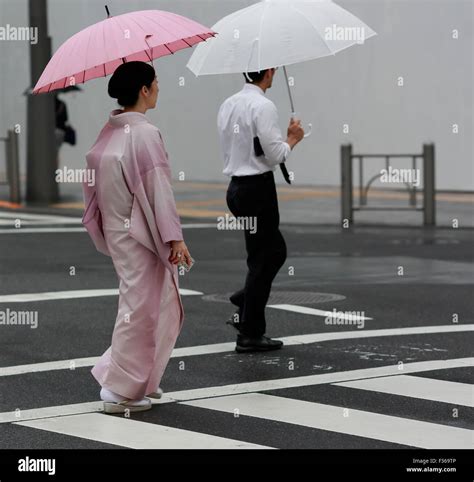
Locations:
{"points": [[255, 76], [128, 79]]}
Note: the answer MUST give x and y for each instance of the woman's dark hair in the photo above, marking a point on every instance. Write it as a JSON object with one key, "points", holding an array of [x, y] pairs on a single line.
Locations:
{"points": [[128, 79]]}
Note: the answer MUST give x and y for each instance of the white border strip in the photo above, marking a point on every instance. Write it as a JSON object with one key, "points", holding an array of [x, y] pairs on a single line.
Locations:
{"points": [[424, 388], [66, 295], [349, 421], [229, 347], [83, 230], [41, 230], [134, 434], [251, 387], [343, 315]]}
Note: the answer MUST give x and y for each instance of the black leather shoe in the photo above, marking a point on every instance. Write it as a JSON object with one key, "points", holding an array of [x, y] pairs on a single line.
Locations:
{"points": [[246, 344], [235, 324]]}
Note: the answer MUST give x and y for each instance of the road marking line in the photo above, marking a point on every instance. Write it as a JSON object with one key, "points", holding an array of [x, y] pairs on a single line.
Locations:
{"points": [[41, 230], [293, 382], [40, 217], [199, 225], [83, 230], [11, 223], [65, 295], [418, 387], [57, 295], [229, 347], [313, 311], [26, 222], [134, 434], [240, 388], [387, 428]]}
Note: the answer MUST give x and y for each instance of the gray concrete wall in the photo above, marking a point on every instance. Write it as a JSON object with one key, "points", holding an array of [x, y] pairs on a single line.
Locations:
{"points": [[357, 87]]}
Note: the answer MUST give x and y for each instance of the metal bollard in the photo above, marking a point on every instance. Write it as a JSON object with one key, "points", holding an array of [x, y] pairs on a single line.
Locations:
{"points": [[346, 184], [429, 205], [13, 170]]}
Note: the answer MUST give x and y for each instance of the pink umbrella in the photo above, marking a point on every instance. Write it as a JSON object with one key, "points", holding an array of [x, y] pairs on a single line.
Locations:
{"points": [[99, 49]]}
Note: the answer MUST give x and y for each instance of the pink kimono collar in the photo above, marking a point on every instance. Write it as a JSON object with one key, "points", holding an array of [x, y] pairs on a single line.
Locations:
{"points": [[118, 118]]}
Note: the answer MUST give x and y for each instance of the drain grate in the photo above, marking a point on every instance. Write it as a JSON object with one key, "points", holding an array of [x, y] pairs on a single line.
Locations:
{"points": [[285, 297]]}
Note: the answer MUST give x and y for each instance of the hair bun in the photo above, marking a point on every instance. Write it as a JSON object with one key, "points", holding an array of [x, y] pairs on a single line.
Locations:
{"points": [[112, 89], [128, 79]]}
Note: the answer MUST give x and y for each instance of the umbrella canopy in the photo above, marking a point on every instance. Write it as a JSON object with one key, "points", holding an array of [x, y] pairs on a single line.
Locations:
{"points": [[99, 49], [66, 90], [274, 33]]}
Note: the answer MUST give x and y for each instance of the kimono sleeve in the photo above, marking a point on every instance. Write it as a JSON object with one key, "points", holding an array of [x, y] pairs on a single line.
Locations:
{"points": [[158, 189], [92, 219]]}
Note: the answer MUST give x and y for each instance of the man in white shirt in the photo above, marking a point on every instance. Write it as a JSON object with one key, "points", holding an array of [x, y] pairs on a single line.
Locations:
{"points": [[252, 146]]}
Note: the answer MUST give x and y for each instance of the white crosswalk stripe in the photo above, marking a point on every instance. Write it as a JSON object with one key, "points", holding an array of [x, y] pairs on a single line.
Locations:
{"points": [[387, 428], [31, 223], [84, 421], [11, 219], [134, 434], [418, 387]]}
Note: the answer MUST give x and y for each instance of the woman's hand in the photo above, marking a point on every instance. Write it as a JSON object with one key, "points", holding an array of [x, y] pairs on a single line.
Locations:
{"points": [[179, 252]]}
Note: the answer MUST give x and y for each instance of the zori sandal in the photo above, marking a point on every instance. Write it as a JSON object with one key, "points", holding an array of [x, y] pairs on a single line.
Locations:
{"points": [[114, 403], [157, 394]]}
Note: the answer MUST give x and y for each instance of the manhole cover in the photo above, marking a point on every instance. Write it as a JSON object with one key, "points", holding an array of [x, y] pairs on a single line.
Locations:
{"points": [[285, 297]]}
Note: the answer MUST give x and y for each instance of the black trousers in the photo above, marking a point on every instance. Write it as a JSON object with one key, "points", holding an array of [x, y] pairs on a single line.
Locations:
{"points": [[255, 196]]}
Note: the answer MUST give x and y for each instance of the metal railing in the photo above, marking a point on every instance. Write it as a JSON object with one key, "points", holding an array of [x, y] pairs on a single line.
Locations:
{"points": [[12, 162], [347, 201]]}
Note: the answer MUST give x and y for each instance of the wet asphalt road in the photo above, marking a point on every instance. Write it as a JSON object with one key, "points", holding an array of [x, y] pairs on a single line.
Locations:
{"points": [[399, 278]]}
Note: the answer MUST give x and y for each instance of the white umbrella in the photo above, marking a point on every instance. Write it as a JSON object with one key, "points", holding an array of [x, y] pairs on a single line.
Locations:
{"points": [[275, 33]]}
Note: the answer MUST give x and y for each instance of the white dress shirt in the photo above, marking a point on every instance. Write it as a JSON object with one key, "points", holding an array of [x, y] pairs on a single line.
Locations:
{"points": [[242, 117]]}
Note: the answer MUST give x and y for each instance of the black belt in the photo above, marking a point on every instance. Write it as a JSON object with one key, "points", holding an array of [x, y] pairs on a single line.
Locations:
{"points": [[254, 178]]}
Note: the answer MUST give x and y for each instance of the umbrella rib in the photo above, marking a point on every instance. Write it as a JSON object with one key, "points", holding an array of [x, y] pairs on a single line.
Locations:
{"points": [[63, 51], [115, 19], [170, 51], [211, 48], [103, 43], [70, 54], [85, 58], [149, 55], [187, 43], [138, 51], [234, 16], [265, 8], [240, 13], [165, 29], [172, 19], [164, 44], [141, 28], [76, 74], [313, 26]]}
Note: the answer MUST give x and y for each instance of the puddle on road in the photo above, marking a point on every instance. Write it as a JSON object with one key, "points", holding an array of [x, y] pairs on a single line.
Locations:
{"points": [[371, 352], [263, 359], [423, 348], [324, 368]]}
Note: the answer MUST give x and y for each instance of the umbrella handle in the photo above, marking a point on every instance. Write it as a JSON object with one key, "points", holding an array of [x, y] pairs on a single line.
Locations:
{"points": [[293, 113], [310, 126]]}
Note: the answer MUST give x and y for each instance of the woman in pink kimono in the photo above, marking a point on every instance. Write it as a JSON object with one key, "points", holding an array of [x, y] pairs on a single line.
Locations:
{"points": [[130, 214]]}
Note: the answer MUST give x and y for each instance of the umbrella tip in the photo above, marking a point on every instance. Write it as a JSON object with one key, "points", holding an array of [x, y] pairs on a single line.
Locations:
{"points": [[107, 10]]}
